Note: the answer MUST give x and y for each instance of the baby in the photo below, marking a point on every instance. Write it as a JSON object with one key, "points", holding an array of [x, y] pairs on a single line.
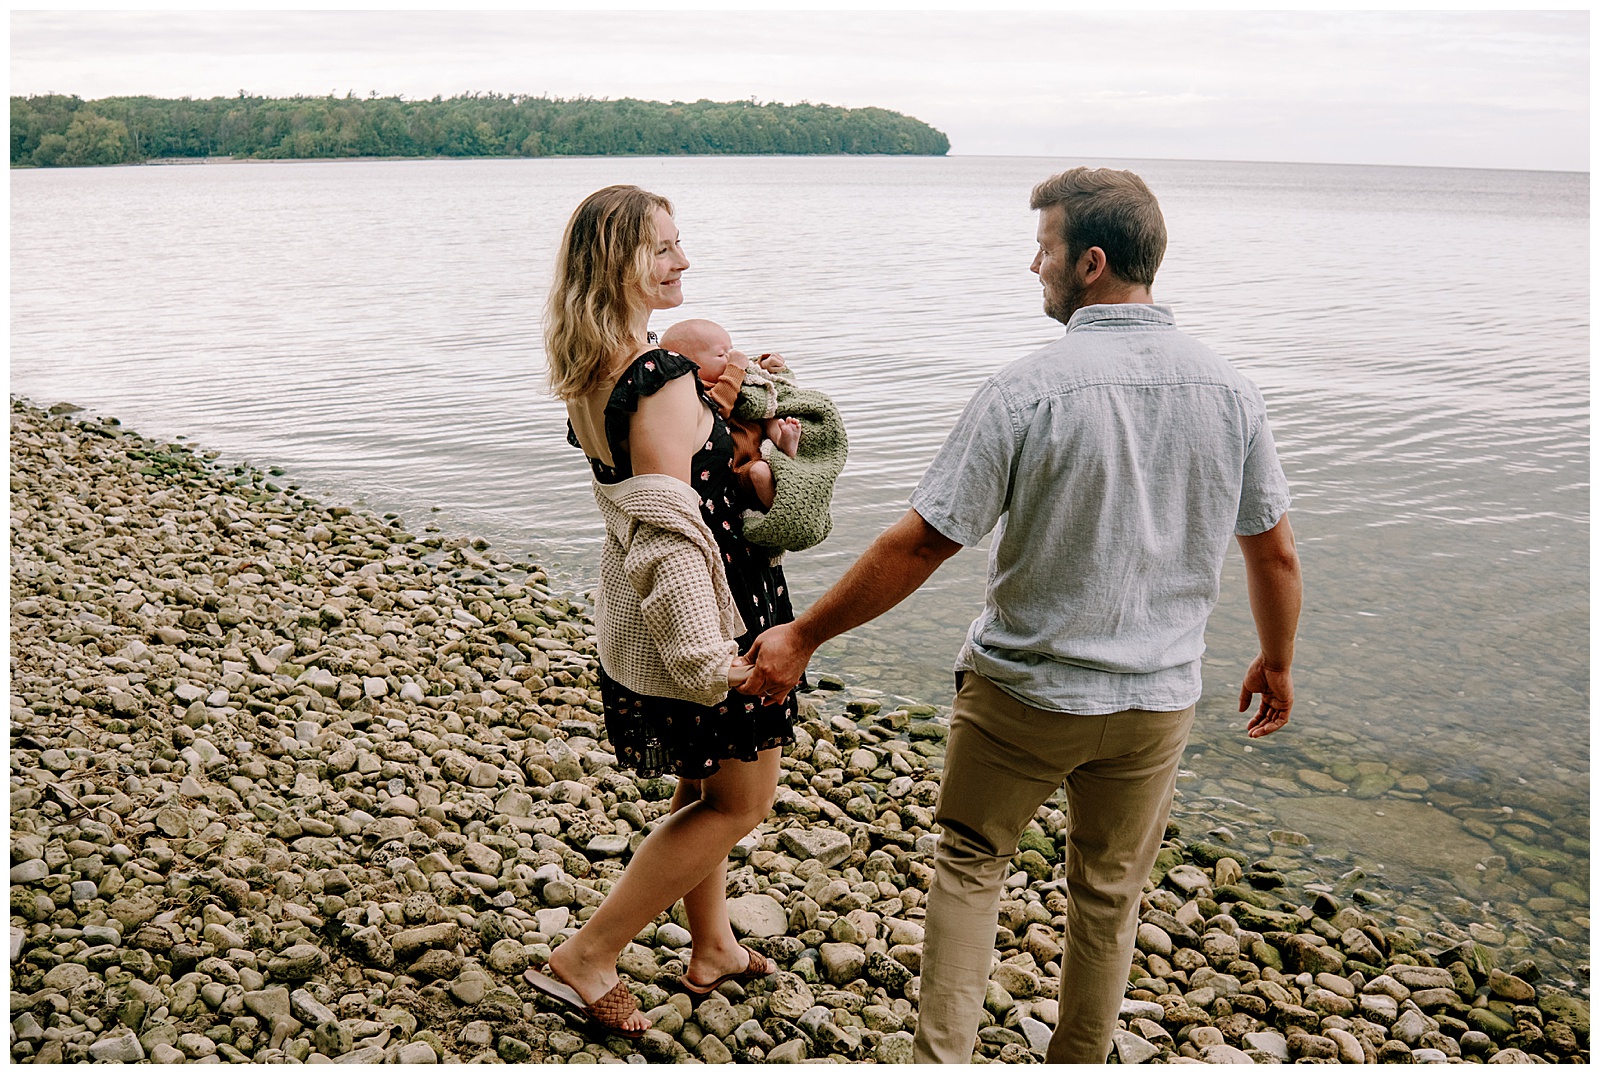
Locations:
{"points": [[722, 371], [789, 442]]}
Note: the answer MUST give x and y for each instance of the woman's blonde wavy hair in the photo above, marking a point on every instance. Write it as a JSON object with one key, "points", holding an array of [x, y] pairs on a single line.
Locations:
{"points": [[602, 270]]}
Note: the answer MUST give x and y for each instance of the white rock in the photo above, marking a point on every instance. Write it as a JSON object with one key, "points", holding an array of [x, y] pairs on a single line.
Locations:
{"points": [[123, 1047], [1139, 1008], [1188, 878], [757, 915], [842, 962], [1132, 1048], [1350, 1050], [903, 932], [1510, 1055], [1225, 1054], [1410, 1027], [1270, 1042], [308, 1009], [826, 845], [1037, 1032], [552, 920], [29, 872], [1380, 1008]]}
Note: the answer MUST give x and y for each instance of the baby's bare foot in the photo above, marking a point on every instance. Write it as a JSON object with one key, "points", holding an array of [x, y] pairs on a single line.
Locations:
{"points": [[788, 436]]}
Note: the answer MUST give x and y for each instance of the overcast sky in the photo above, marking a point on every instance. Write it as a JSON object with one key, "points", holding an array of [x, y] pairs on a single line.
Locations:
{"points": [[1475, 89]]}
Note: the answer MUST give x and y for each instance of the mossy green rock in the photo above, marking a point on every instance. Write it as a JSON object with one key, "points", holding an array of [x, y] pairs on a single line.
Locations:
{"points": [[1034, 864], [1372, 785], [1403, 940], [1038, 842], [1209, 854], [1567, 1009], [1264, 954], [1260, 920], [1166, 860], [1522, 855], [1486, 1021], [513, 1050], [1351, 965], [1238, 893]]}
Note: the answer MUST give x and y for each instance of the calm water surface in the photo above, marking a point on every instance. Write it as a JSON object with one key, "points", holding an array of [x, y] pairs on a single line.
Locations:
{"points": [[1421, 336]]}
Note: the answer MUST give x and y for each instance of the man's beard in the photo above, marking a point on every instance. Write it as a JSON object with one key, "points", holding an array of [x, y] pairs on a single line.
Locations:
{"points": [[1064, 298]]}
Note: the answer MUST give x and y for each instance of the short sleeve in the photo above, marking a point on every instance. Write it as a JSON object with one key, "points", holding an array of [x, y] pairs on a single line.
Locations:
{"points": [[648, 374], [1264, 494], [967, 487]]}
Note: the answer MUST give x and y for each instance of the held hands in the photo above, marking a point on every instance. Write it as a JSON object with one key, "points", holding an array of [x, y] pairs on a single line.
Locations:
{"points": [[739, 673], [1276, 688], [776, 659]]}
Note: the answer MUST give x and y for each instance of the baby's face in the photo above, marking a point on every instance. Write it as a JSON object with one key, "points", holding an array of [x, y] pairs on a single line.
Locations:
{"points": [[708, 349]]}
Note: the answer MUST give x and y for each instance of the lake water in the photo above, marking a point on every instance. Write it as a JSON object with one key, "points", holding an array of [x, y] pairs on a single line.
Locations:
{"points": [[1421, 336]]}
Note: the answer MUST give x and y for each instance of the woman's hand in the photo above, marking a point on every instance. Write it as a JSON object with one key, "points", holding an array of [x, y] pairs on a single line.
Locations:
{"points": [[739, 673]]}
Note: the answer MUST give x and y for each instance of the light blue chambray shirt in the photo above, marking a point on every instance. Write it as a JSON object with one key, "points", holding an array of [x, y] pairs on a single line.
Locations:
{"points": [[1114, 465]]}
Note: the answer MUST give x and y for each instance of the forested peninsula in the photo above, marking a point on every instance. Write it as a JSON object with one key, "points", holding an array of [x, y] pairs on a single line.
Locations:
{"points": [[64, 131]]}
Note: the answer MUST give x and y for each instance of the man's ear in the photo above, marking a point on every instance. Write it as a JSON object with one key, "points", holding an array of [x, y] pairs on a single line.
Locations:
{"points": [[1091, 266]]}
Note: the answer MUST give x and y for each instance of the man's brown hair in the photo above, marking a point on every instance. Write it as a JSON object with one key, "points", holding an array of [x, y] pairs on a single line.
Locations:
{"points": [[1112, 210]]}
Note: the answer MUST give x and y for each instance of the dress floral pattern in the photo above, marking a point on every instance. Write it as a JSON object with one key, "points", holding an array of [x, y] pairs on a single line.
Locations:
{"points": [[653, 735]]}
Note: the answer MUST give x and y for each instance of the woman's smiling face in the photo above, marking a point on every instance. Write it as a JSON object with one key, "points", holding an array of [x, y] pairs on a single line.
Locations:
{"points": [[665, 285]]}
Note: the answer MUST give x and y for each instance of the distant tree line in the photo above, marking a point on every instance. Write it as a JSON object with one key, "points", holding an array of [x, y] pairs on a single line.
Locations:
{"points": [[62, 131]]}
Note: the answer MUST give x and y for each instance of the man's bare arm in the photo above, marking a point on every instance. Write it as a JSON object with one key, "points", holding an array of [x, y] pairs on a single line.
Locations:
{"points": [[1272, 572], [891, 569]]}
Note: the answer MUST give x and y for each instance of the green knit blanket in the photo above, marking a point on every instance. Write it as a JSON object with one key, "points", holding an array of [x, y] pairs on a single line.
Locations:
{"points": [[799, 516]]}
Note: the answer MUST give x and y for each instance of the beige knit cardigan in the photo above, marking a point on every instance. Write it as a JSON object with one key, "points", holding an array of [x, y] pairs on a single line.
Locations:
{"points": [[666, 619]]}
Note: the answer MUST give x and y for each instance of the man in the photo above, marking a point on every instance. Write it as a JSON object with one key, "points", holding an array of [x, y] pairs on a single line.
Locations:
{"points": [[1113, 465]]}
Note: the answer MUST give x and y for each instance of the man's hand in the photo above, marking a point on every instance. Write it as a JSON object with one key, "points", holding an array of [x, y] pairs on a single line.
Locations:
{"points": [[890, 570], [1276, 688], [780, 657]]}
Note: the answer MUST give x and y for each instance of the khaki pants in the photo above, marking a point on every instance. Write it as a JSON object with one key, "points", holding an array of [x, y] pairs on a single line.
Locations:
{"points": [[1004, 760]]}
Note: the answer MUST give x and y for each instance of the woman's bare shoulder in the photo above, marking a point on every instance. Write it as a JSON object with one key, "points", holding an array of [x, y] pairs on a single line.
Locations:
{"points": [[667, 428]]}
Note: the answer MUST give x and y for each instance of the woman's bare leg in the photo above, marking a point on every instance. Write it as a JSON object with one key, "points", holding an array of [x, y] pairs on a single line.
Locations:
{"points": [[716, 950], [677, 860]]}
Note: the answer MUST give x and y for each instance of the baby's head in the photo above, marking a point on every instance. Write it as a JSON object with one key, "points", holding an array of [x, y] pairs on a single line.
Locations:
{"points": [[705, 343]]}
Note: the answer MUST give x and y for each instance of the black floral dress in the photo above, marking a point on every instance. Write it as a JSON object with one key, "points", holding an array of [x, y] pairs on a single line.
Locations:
{"points": [[653, 735]]}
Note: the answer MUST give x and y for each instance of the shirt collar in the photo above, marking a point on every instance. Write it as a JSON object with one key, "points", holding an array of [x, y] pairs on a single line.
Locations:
{"points": [[1123, 315]]}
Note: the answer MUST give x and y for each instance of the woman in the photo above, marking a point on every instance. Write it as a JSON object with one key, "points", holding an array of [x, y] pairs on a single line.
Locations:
{"points": [[682, 593]]}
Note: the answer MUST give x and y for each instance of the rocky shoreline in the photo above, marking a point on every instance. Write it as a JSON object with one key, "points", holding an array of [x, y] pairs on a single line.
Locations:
{"points": [[290, 784]]}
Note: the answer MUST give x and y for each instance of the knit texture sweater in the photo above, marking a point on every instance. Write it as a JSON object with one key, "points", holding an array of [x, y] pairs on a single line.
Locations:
{"points": [[665, 616]]}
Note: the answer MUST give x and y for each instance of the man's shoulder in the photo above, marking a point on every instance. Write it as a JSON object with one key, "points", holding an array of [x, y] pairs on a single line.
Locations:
{"points": [[1078, 359]]}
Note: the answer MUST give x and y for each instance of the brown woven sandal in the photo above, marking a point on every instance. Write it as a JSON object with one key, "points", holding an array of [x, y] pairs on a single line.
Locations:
{"points": [[756, 967], [610, 1012]]}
